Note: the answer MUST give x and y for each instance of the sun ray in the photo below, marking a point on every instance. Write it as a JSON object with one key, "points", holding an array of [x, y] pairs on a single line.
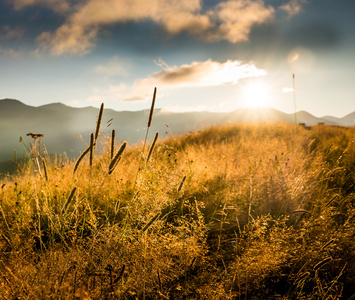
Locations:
{"points": [[256, 94]]}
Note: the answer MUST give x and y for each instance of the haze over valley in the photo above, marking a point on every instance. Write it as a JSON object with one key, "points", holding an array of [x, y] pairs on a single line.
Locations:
{"points": [[66, 129]]}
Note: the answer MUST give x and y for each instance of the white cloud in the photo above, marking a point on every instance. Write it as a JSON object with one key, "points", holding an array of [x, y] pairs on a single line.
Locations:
{"points": [[230, 20], [208, 73], [201, 74]]}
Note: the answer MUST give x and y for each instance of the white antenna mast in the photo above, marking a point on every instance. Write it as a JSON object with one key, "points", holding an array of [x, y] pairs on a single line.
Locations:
{"points": [[294, 97]]}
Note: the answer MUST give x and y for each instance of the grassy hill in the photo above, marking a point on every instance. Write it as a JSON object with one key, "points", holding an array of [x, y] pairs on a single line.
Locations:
{"points": [[66, 129], [244, 211]]}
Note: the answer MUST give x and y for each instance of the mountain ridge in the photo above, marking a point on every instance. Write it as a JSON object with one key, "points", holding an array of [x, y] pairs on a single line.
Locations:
{"points": [[62, 124]]}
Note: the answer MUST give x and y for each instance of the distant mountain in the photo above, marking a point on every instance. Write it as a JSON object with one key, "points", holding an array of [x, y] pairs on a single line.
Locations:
{"points": [[348, 120], [66, 129]]}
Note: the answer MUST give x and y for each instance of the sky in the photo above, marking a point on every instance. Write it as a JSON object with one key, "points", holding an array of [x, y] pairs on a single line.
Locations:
{"points": [[202, 55]]}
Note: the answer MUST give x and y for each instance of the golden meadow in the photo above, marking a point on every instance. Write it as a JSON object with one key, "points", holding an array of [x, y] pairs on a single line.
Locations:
{"points": [[239, 211]]}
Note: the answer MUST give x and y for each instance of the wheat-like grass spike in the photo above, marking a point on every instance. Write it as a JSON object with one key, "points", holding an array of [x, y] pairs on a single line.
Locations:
{"points": [[113, 136], [152, 108], [116, 158], [152, 146], [70, 198], [80, 158], [98, 123], [91, 149]]}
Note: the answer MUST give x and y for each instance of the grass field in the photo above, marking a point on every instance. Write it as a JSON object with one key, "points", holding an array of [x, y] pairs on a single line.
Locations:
{"points": [[253, 211]]}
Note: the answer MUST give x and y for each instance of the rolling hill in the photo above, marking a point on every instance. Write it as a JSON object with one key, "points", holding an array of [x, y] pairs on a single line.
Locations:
{"points": [[66, 129]]}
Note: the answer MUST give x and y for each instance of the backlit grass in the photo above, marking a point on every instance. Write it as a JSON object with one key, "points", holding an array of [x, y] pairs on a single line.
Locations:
{"points": [[253, 211]]}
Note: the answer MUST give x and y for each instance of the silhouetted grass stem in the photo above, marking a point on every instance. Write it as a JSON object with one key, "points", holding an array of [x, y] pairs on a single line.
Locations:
{"points": [[80, 158], [152, 146], [98, 123], [116, 158]]}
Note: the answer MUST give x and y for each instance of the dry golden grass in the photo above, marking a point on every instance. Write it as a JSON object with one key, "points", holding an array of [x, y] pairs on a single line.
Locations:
{"points": [[263, 211]]}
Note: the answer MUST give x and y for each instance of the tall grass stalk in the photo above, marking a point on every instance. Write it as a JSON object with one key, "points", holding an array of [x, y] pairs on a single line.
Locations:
{"points": [[69, 200], [150, 118], [116, 158], [91, 150], [152, 147], [98, 123], [45, 169], [181, 184], [80, 158], [112, 152], [145, 141], [113, 137]]}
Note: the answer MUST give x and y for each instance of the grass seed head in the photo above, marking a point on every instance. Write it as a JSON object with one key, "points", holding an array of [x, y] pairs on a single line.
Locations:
{"points": [[98, 123], [116, 158], [322, 263], [91, 149], [181, 184], [113, 136], [80, 158], [152, 146], [70, 198], [152, 108]]}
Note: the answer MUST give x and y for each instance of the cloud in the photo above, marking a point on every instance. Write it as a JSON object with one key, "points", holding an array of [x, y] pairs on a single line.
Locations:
{"points": [[201, 74], [293, 7], [114, 67], [69, 38], [9, 52], [78, 35], [8, 33], [59, 6], [197, 74], [230, 20], [236, 18]]}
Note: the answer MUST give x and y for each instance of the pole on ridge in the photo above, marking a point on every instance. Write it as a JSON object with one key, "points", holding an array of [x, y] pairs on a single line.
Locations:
{"points": [[294, 97]]}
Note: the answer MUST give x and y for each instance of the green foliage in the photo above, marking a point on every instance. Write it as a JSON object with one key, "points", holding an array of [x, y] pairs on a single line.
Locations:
{"points": [[262, 211]]}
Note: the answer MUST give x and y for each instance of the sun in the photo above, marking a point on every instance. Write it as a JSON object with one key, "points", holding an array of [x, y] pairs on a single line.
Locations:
{"points": [[256, 94]]}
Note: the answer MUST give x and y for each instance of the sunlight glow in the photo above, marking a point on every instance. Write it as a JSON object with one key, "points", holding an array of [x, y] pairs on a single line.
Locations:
{"points": [[287, 90], [256, 94]]}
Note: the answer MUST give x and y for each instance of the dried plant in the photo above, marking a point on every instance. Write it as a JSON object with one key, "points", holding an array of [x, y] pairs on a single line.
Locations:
{"points": [[246, 226], [152, 146], [98, 122], [116, 158], [91, 149], [45, 169], [69, 200], [80, 158], [113, 135]]}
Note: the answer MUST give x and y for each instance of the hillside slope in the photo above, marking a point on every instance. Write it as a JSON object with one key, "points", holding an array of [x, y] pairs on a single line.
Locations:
{"points": [[263, 211], [66, 129]]}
